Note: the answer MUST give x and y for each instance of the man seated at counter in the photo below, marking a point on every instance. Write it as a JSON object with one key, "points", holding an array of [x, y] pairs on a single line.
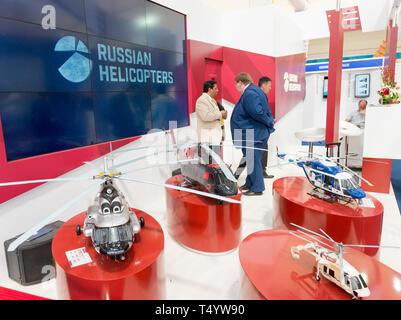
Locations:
{"points": [[357, 117]]}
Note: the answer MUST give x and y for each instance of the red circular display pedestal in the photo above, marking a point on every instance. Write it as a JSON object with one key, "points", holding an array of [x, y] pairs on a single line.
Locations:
{"points": [[270, 271], [346, 223], [139, 276], [200, 223]]}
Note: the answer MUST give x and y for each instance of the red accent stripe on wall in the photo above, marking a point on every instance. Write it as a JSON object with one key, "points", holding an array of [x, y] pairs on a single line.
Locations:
{"points": [[197, 53], [257, 65]]}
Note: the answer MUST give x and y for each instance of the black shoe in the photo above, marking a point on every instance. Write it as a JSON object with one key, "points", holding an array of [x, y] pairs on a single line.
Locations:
{"points": [[245, 187], [267, 176], [251, 193]]}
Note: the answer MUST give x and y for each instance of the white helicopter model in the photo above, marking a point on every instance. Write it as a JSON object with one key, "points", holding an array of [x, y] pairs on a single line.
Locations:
{"points": [[109, 222], [330, 263], [332, 181]]}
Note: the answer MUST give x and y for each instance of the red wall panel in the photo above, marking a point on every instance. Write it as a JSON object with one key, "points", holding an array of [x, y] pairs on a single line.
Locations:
{"points": [[257, 65], [290, 83], [197, 53]]}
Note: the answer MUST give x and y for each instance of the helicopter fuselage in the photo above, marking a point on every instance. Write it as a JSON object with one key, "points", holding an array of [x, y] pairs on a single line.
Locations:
{"points": [[332, 179], [209, 175], [328, 266], [109, 222]]}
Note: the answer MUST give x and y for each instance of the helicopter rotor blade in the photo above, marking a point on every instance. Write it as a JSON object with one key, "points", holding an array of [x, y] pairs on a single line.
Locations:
{"points": [[158, 165], [323, 243], [206, 194], [93, 166], [286, 163], [50, 218], [148, 147], [370, 246], [351, 158], [352, 172], [4, 184], [340, 257], [229, 175], [321, 230], [310, 231], [139, 158], [245, 147], [310, 241]]}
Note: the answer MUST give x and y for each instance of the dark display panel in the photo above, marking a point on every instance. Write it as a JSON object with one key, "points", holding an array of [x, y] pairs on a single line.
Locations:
{"points": [[110, 70], [325, 86]]}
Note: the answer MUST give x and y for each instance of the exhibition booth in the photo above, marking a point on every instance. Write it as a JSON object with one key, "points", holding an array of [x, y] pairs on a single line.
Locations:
{"points": [[106, 193]]}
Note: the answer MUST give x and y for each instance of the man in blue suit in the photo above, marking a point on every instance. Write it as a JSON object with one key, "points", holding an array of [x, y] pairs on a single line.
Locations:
{"points": [[251, 124]]}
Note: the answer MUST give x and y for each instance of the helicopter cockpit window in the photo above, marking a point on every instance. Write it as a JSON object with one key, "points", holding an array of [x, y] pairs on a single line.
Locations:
{"points": [[347, 184], [116, 207], [316, 176], [355, 181], [328, 181], [355, 283], [336, 184], [363, 281], [106, 209]]}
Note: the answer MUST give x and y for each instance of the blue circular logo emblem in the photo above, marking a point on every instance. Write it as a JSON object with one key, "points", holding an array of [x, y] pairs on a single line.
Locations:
{"points": [[78, 66]]}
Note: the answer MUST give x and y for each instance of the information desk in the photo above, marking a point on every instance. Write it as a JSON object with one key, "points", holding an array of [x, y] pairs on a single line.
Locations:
{"points": [[270, 272], [139, 276], [346, 223], [200, 223]]}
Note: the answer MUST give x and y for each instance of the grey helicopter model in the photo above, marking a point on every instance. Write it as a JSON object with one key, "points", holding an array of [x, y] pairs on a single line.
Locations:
{"points": [[109, 222]]}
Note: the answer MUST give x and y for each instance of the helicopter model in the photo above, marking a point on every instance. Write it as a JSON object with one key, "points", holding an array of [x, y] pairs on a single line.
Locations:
{"points": [[202, 167], [331, 180], [109, 222], [207, 171], [330, 263]]}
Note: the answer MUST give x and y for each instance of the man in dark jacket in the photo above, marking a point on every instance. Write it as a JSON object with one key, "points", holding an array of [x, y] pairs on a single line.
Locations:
{"points": [[251, 124], [265, 83]]}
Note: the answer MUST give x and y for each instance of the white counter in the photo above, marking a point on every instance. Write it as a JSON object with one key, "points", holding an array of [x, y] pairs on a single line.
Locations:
{"points": [[382, 132]]}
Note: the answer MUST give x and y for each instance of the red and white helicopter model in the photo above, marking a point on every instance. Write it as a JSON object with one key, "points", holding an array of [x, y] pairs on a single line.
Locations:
{"points": [[330, 263]]}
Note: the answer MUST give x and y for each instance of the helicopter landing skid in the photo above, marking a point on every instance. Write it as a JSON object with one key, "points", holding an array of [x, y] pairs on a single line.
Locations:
{"points": [[330, 197], [318, 194]]}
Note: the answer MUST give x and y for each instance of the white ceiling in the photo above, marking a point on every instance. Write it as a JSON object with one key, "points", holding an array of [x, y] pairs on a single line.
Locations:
{"points": [[230, 5]]}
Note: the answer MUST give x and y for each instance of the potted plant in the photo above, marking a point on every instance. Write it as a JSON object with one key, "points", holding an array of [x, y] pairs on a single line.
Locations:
{"points": [[389, 91]]}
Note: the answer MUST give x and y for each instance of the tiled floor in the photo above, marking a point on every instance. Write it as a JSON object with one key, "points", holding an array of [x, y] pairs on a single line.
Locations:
{"points": [[189, 275]]}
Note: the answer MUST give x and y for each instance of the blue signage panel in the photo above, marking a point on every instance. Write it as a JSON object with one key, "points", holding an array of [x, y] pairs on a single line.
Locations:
{"points": [[169, 106], [122, 114], [110, 70], [117, 19], [37, 123], [42, 60], [119, 66], [168, 72], [166, 29], [349, 64], [69, 14]]}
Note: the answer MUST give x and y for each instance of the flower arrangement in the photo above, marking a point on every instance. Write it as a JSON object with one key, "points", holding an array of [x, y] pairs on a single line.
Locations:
{"points": [[388, 93]]}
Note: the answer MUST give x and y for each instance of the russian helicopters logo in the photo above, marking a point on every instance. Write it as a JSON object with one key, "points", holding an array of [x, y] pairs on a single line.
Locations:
{"points": [[78, 66], [291, 82]]}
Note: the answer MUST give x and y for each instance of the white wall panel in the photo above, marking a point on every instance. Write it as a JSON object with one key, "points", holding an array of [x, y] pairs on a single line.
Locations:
{"points": [[313, 24], [374, 14], [251, 30]]}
